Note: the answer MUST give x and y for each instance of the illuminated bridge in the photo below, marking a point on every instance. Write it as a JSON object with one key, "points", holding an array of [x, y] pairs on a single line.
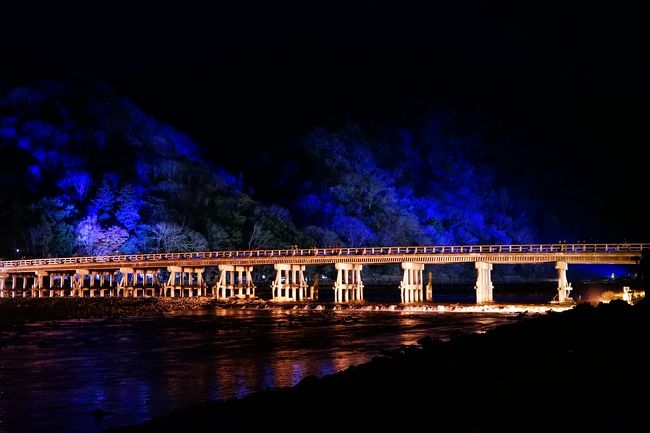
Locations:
{"points": [[181, 274]]}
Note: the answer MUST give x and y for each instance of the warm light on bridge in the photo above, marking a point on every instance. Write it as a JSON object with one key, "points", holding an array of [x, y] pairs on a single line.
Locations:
{"points": [[222, 256], [181, 274]]}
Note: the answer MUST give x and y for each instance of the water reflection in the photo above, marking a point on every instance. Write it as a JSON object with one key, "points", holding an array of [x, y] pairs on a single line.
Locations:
{"points": [[84, 376]]}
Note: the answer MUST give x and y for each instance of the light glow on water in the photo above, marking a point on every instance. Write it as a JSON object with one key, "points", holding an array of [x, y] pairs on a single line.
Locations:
{"points": [[421, 308], [58, 376]]}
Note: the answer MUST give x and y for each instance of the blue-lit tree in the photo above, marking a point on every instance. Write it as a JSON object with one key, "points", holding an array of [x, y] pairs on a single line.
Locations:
{"points": [[103, 204], [97, 241], [128, 207]]}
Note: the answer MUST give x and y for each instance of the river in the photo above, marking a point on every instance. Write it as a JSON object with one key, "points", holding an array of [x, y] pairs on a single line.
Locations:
{"points": [[87, 375]]}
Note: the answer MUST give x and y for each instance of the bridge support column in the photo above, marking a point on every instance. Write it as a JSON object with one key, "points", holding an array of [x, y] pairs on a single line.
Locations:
{"points": [[55, 286], [291, 280], [61, 292], [22, 287], [91, 285], [124, 284], [235, 278], [199, 282], [77, 283], [193, 282], [51, 286], [171, 282], [37, 286], [313, 289], [628, 295], [111, 277], [411, 286], [563, 286], [103, 290], [348, 286], [484, 283], [148, 287], [4, 289], [136, 285]]}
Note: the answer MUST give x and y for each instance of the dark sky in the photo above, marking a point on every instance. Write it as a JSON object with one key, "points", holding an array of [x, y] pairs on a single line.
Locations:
{"points": [[563, 84]]}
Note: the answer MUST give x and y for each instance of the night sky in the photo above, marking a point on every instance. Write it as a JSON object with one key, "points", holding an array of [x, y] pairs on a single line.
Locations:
{"points": [[561, 88]]}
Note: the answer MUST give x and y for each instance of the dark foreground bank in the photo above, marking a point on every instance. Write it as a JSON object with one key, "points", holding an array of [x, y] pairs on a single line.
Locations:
{"points": [[581, 370]]}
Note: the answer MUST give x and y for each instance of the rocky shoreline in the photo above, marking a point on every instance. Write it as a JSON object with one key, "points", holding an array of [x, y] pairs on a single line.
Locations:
{"points": [[581, 370], [24, 310]]}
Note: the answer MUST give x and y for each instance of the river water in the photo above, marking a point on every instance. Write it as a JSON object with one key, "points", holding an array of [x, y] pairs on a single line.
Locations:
{"points": [[87, 375]]}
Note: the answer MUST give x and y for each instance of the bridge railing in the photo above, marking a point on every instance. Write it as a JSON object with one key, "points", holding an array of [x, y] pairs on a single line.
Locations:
{"points": [[336, 251]]}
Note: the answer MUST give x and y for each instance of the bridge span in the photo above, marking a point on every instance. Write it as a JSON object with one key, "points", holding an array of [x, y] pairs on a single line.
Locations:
{"points": [[181, 274]]}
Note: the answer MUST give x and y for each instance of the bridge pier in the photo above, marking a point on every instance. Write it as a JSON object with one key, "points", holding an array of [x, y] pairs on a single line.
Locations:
{"points": [[200, 289], [563, 286], [95, 285], [123, 284], [111, 281], [171, 281], [77, 283], [100, 283], [37, 283], [191, 280], [483, 283], [429, 288], [91, 285], [290, 279], [348, 286], [5, 292], [71, 277], [411, 286], [233, 278], [187, 282], [137, 287], [54, 289], [155, 282], [47, 291], [140, 279]]}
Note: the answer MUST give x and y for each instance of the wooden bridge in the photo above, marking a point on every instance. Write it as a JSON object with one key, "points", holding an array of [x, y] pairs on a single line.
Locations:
{"points": [[181, 274]]}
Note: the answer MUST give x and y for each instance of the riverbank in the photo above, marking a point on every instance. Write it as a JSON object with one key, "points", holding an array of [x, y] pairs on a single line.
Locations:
{"points": [[25, 310], [581, 370]]}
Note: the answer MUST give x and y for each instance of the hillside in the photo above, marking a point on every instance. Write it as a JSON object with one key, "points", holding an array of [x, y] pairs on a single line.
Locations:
{"points": [[87, 172]]}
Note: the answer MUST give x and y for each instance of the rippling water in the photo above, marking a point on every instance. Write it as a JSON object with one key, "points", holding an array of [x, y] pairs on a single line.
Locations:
{"points": [[54, 376]]}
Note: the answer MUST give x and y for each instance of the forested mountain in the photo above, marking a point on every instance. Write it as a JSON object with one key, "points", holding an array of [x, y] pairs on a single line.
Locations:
{"points": [[405, 188], [86, 172]]}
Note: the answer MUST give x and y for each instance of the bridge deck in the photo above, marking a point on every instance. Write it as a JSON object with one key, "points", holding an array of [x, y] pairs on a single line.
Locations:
{"points": [[497, 254]]}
